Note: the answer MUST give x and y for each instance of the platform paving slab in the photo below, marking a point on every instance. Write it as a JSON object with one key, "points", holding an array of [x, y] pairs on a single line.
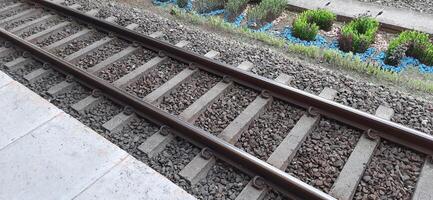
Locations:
{"points": [[57, 160], [21, 112], [47, 154], [133, 180], [4, 79]]}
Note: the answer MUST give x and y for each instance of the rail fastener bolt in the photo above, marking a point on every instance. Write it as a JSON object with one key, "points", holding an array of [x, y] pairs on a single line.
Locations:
{"points": [[312, 111], [259, 183], [226, 79], [96, 93], [128, 110], [371, 135], [265, 94], [206, 153], [164, 130]]}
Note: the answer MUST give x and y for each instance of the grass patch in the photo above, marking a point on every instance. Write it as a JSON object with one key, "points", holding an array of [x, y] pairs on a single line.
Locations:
{"points": [[330, 56], [309, 22], [204, 6], [410, 43], [234, 7], [266, 11], [182, 3], [358, 35]]}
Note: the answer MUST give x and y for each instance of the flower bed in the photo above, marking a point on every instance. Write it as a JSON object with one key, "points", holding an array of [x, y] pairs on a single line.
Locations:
{"points": [[266, 12], [234, 8], [306, 26], [355, 38], [358, 35]]}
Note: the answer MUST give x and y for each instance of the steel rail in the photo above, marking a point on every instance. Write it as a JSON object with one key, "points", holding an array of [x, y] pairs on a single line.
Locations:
{"points": [[391, 131], [283, 182]]}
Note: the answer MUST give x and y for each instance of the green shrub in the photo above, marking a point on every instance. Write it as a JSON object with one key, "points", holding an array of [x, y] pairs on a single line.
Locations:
{"points": [[234, 7], [410, 43], [182, 3], [203, 6], [358, 35], [305, 30], [309, 22], [266, 11]]}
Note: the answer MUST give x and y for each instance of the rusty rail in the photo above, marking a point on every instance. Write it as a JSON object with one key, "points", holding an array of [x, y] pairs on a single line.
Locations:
{"points": [[285, 183], [391, 131]]}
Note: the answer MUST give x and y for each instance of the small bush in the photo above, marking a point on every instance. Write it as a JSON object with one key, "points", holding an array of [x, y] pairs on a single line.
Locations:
{"points": [[309, 22], [234, 7], [182, 3], [410, 43], [266, 11], [203, 6], [358, 35]]}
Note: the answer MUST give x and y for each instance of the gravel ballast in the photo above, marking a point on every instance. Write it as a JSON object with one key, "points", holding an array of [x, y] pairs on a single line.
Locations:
{"points": [[124, 66], [14, 11], [78, 44], [392, 173], [268, 131], [322, 156], [65, 32], [155, 78], [48, 24], [219, 115], [310, 77], [189, 92], [102, 53], [8, 26]]}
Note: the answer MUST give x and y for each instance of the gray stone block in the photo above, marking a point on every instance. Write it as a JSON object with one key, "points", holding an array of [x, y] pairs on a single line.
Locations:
{"points": [[132, 180], [4, 79], [57, 160], [20, 105]]}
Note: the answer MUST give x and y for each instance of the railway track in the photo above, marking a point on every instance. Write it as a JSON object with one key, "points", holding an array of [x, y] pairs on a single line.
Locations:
{"points": [[157, 73]]}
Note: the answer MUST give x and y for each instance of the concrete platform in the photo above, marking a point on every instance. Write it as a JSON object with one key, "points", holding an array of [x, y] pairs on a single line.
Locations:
{"points": [[47, 154], [390, 18]]}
